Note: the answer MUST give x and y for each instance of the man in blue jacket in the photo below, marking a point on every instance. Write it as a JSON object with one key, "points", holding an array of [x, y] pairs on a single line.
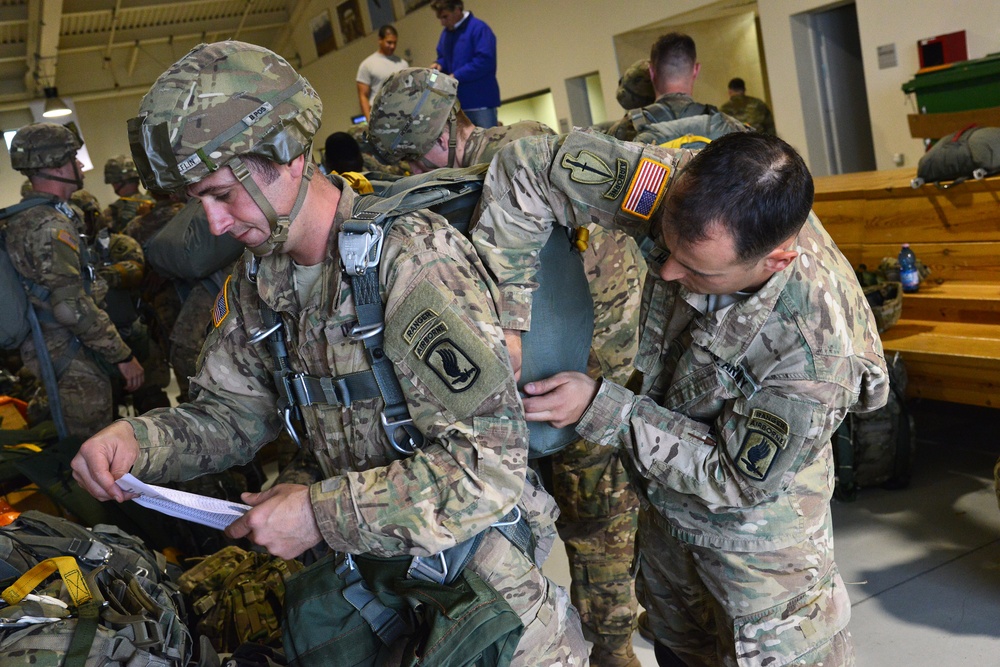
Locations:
{"points": [[468, 51]]}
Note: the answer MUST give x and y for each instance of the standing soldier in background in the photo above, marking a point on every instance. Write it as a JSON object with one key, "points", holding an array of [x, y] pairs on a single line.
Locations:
{"points": [[120, 173], [417, 117], [673, 68], [750, 110], [288, 318], [44, 244]]}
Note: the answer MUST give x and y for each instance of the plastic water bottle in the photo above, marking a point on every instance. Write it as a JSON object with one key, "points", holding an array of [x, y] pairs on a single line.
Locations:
{"points": [[908, 274]]}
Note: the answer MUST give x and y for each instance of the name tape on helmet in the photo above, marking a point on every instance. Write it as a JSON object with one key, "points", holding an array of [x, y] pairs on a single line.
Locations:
{"points": [[255, 115]]}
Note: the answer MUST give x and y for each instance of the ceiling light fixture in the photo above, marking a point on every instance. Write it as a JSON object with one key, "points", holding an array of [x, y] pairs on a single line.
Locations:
{"points": [[54, 106]]}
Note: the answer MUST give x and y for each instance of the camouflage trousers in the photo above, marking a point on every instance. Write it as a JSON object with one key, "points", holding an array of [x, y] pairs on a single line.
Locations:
{"points": [[744, 609], [552, 633], [84, 394], [597, 523]]}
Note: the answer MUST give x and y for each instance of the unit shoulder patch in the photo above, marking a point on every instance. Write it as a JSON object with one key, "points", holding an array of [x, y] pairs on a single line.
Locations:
{"points": [[767, 434]]}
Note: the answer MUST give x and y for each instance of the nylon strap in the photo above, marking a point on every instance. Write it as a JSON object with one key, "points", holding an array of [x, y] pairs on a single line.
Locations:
{"points": [[384, 621]]}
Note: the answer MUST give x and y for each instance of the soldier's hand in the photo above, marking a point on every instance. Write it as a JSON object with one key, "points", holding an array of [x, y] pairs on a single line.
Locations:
{"points": [[132, 373], [561, 399], [281, 521], [513, 338], [436, 66], [104, 458]]}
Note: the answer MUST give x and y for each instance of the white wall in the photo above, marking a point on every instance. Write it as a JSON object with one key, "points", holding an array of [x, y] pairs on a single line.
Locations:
{"points": [[881, 22]]}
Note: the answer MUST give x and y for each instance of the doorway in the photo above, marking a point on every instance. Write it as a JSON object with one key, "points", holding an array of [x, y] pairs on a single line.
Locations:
{"points": [[832, 81]]}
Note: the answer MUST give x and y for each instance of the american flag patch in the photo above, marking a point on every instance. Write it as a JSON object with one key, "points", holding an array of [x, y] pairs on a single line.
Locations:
{"points": [[221, 308], [646, 188]]}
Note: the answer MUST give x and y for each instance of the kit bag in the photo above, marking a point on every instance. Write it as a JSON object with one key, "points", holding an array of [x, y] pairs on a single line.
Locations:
{"points": [[355, 611], [877, 448], [973, 152]]}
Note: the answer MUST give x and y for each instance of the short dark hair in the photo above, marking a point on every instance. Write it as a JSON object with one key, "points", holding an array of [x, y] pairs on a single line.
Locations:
{"points": [[342, 153], [447, 5], [260, 166], [737, 84], [387, 29], [755, 185], [673, 54]]}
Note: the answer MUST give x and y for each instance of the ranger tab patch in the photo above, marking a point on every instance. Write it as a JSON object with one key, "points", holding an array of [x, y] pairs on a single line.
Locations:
{"points": [[221, 308], [646, 189], [452, 365], [767, 433]]}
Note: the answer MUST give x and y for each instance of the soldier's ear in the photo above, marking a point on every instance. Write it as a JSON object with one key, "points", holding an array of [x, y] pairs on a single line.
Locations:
{"points": [[779, 259]]}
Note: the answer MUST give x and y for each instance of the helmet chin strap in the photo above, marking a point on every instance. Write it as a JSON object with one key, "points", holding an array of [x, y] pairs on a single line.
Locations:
{"points": [[77, 179], [452, 137], [279, 223]]}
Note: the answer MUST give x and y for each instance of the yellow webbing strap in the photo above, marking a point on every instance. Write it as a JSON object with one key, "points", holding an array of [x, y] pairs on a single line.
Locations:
{"points": [[71, 575], [680, 142]]}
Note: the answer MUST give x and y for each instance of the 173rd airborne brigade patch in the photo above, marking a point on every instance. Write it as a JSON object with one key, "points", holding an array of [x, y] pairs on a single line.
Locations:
{"points": [[766, 434], [430, 337]]}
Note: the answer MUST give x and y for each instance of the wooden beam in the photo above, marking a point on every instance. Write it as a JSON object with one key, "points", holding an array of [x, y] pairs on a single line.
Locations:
{"points": [[937, 125]]}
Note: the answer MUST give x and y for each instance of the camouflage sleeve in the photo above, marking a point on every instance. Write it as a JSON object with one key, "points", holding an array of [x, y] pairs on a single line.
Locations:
{"points": [[571, 180], [58, 256], [737, 461], [233, 411], [443, 336]]}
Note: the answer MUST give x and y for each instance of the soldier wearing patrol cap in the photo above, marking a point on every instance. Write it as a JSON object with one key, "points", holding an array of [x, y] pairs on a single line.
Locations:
{"points": [[756, 342], [120, 173], [245, 156], [414, 117], [44, 243]]}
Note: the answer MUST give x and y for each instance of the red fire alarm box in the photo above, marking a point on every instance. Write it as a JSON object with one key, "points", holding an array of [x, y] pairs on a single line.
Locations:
{"points": [[943, 49]]}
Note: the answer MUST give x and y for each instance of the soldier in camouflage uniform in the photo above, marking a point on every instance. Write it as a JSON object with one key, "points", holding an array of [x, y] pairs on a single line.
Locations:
{"points": [[372, 163], [120, 173], [750, 110], [673, 68], [89, 210], [756, 342], [597, 508], [44, 246], [635, 88], [441, 333]]}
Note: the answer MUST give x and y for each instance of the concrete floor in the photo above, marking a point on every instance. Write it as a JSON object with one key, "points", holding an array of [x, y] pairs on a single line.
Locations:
{"points": [[923, 563]]}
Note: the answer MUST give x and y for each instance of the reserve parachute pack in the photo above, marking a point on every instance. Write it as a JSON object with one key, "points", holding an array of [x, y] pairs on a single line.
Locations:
{"points": [[877, 448], [562, 308], [973, 152]]}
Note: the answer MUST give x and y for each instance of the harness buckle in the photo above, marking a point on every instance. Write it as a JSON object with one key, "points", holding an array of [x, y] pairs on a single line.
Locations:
{"points": [[359, 332], [425, 568], [359, 251], [394, 426]]}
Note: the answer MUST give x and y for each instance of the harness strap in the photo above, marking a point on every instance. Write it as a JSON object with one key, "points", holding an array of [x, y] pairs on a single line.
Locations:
{"points": [[384, 621]]}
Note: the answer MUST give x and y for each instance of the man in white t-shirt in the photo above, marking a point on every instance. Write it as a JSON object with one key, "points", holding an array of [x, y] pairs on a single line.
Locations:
{"points": [[375, 68]]}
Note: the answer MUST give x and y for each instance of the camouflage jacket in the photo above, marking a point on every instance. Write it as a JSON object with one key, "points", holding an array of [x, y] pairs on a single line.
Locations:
{"points": [[122, 264], [449, 355], [44, 247], [484, 143], [121, 211], [144, 227], [667, 107], [751, 111], [616, 297], [731, 434]]}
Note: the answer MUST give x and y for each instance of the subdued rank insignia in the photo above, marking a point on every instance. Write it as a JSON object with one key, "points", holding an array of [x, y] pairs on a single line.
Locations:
{"points": [[452, 365], [766, 434], [646, 188], [221, 308]]}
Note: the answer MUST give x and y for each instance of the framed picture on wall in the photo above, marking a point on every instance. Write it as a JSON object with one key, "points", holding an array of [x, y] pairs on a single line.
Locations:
{"points": [[381, 13], [411, 5], [322, 30], [349, 16]]}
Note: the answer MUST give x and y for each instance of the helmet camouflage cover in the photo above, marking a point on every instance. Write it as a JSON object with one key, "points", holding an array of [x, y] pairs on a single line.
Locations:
{"points": [[42, 146], [410, 112], [219, 101], [119, 168], [635, 89]]}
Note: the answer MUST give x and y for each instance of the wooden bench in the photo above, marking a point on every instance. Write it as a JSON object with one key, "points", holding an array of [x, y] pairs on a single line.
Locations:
{"points": [[949, 333]]}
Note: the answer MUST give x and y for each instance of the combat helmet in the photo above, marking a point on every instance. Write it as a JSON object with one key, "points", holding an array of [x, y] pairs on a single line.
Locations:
{"points": [[410, 113], [42, 146], [635, 88], [220, 102], [119, 168]]}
